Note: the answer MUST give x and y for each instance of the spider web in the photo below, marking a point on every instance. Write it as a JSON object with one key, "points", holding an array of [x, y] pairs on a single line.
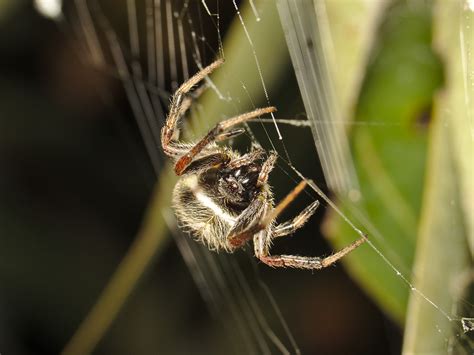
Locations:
{"points": [[297, 18], [333, 149], [220, 278], [231, 296]]}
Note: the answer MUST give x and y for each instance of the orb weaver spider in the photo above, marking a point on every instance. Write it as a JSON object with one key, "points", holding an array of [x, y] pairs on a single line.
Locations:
{"points": [[223, 197]]}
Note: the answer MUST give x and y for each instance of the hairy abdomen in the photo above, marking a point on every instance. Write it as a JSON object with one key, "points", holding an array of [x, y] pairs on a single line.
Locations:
{"points": [[201, 214]]}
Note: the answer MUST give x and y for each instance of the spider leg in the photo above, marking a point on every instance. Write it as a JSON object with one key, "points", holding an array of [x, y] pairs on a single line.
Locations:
{"points": [[253, 219], [180, 103], [217, 131], [246, 159], [267, 168], [300, 262], [230, 134], [289, 227], [263, 237], [267, 220], [187, 101], [244, 227], [213, 160]]}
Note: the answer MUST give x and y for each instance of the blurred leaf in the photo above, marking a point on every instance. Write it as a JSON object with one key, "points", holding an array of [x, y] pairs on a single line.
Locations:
{"points": [[239, 77], [454, 41], [389, 152], [357, 20], [316, 33], [444, 228]]}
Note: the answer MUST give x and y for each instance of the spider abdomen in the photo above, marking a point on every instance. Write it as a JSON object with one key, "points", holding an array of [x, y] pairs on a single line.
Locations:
{"points": [[200, 211]]}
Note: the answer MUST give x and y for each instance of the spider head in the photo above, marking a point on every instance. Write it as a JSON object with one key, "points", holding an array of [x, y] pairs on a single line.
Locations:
{"points": [[239, 185]]}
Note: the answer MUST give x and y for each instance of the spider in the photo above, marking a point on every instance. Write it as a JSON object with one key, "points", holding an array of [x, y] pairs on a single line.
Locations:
{"points": [[223, 197]]}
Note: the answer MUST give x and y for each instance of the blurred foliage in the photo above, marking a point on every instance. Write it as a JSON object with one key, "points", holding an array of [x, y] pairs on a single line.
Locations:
{"points": [[389, 151], [443, 262], [359, 21]]}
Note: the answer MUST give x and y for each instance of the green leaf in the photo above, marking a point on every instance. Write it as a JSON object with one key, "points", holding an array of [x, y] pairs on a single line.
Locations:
{"points": [[389, 153], [442, 255]]}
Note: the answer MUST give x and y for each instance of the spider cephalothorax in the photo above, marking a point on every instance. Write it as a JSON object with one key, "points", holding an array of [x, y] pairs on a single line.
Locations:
{"points": [[238, 186], [222, 197]]}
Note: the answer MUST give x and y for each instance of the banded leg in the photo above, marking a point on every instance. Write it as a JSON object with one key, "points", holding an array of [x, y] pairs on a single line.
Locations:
{"points": [[246, 159], [217, 131], [180, 103], [304, 262], [282, 205], [263, 237], [290, 227], [262, 231], [266, 169], [207, 162], [247, 222]]}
